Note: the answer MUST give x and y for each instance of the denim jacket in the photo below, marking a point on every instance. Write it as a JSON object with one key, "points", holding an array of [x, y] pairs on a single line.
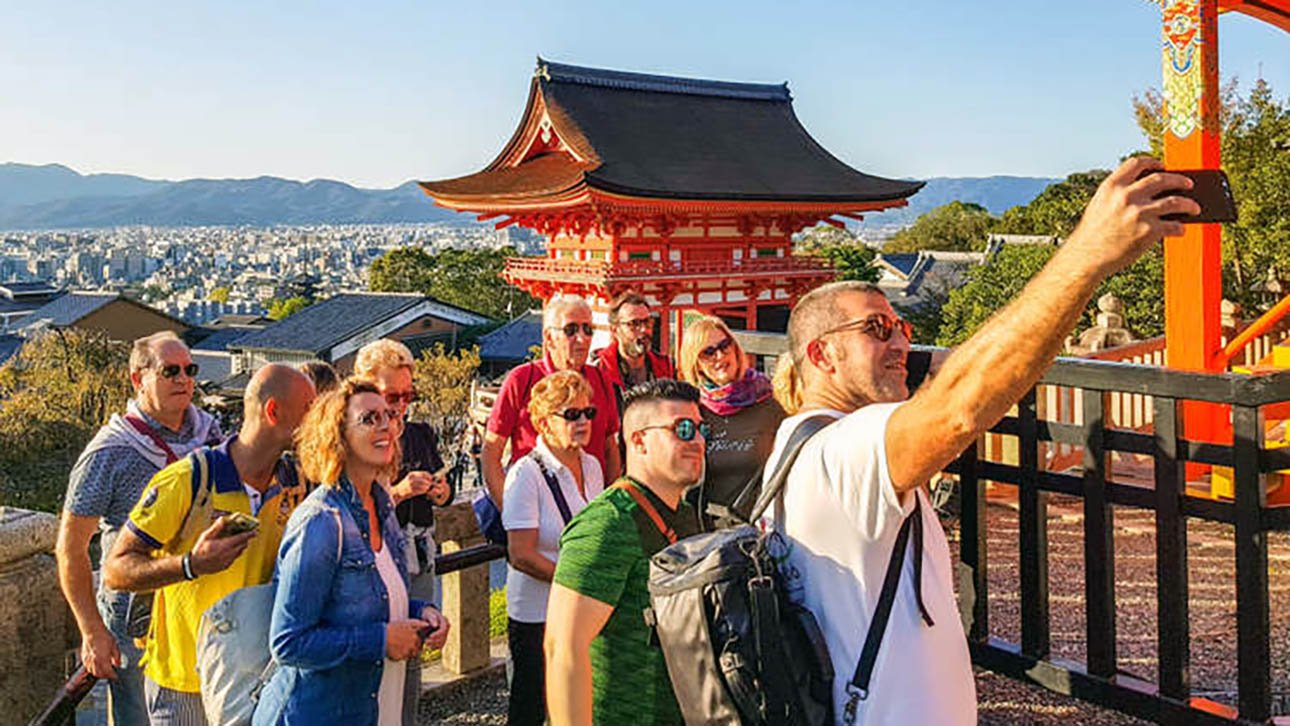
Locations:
{"points": [[329, 618]]}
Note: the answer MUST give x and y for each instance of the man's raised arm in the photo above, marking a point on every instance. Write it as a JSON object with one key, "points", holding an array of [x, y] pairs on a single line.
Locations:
{"points": [[990, 372]]}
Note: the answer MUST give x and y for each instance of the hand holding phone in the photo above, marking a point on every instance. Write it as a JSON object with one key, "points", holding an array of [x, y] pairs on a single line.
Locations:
{"points": [[237, 523], [1211, 190]]}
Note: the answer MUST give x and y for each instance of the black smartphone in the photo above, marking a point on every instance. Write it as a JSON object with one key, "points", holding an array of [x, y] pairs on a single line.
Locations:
{"points": [[1211, 190]]}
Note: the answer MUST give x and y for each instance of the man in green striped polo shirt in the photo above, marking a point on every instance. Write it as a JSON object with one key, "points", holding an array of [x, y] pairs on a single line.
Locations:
{"points": [[600, 665]]}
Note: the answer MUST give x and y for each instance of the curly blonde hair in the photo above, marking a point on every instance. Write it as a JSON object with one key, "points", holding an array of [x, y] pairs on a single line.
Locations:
{"points": [[556, 392], [381, 354], [320, 440], [692, 344]]}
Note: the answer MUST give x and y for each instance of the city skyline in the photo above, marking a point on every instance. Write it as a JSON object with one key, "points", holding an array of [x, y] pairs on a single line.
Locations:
{"points": [[383, 93]]}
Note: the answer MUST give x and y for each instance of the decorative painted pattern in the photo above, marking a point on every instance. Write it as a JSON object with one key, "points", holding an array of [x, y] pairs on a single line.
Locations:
{"points": [[1184, 83]]}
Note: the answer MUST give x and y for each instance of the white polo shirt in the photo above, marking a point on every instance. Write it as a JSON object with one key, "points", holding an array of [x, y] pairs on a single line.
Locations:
{"points": [[840, 515], [527, 503]]}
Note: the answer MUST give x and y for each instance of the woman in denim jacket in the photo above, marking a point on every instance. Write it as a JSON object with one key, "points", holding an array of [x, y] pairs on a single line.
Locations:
{"points": [[342, 620]]}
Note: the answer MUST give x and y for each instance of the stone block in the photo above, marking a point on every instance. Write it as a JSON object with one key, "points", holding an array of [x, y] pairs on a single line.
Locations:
{"points": [[24, 533], [33, 621]]}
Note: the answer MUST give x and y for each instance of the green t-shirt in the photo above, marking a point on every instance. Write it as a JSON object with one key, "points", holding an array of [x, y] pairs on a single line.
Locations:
{"points": [[604, 554]]}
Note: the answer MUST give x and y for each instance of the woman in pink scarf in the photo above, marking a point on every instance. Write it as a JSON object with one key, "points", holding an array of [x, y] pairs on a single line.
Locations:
{"points": [[737, 404]]}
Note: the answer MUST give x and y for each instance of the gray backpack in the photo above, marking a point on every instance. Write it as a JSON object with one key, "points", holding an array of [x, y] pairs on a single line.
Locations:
{"points": [[737, 650]]}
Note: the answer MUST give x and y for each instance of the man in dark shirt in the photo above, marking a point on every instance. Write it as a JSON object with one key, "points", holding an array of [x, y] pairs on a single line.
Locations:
{"points": [[600, 665]]}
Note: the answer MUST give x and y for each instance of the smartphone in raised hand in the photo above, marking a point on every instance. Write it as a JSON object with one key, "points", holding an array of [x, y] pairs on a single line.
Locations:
{"points": [[1211, 190], [237, 523]]}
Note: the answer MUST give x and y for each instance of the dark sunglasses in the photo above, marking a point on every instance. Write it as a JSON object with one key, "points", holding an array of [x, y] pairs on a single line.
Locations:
{"points": [[395, 399], [712, 351], [685, 429], [374, 419], [572, 329], [879, 326], [574, 414], [174, 369]]}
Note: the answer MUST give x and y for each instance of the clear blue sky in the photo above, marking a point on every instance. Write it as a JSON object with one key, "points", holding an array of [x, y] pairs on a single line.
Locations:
{"points": [[376, 93]]}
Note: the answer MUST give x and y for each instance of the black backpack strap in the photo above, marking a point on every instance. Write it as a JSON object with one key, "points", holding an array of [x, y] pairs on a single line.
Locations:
{"points": [[554, 484], [803, 433], [858, 688]]}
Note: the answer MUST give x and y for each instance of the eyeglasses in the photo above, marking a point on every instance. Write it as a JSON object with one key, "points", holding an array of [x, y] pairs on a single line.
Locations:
{"points": [[641, 324], [713, 351], [575, 414], [572, 329], [395, 399], [879, 326], [172, 370], [376, 419], [685, 429]]}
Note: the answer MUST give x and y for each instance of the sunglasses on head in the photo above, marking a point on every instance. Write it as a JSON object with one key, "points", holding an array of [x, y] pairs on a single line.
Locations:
{"points": [[375, 419], [572, 329], [685, 429], [574, 414], [174, 369], [878, 325], [395, 399], [712, 351]]}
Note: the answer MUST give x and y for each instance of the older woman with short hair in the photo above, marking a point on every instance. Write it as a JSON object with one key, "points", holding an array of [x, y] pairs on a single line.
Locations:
{"points": [[343, 622], [736, 402], [543, 490]]}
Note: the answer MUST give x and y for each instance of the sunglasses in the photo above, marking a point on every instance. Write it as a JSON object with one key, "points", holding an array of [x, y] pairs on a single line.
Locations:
{"points": [[713, 351], [376, 419], [575, 414], [395, 399], [879, 326], [572, 329], [641, 324], [174, 369], [685, 429]]}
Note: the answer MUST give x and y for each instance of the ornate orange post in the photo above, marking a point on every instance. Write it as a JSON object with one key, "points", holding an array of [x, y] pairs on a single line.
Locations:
{"points": [[1193, 262]]}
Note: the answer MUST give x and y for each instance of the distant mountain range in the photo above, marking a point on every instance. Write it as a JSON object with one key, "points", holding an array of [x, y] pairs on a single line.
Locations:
{"points": [[995, 193], [56, 197]]}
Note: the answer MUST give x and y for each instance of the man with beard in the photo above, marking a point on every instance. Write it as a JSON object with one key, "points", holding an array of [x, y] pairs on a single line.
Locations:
{"points": [[628, 360], [566, 341], [601, 667], [855, 497], [160, 425]]}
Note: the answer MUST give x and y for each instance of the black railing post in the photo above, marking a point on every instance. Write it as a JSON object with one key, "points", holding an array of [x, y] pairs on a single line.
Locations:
{"points": [[974, 608], [1033, 535], [1172, 609], [1099, 549], [1252, 627]]}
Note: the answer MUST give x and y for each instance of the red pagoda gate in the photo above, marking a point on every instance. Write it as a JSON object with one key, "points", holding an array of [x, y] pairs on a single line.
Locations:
{"points": [[686, 190]]}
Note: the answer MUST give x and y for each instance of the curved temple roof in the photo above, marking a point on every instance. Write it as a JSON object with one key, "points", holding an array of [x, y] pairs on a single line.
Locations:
{"points": [[659, 137]]}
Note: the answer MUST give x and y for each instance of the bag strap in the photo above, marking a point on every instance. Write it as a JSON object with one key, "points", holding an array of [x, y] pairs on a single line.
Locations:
{"points": [[858, 688], [631, 487], [805, 430], [142, 427], [554, 485]]}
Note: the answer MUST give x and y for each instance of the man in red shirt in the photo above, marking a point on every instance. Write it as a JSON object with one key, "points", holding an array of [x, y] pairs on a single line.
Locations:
{"points": [[566, 341], [628, 360]]}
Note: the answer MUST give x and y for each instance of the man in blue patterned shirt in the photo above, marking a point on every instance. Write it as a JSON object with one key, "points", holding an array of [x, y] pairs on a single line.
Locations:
{"points": [[160, 425]]}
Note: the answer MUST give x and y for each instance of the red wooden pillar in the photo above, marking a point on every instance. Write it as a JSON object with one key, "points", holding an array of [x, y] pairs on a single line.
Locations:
{"points": [[1193, 261]]}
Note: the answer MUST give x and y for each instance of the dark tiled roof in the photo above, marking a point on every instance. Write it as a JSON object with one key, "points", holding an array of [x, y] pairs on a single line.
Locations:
{"points": [[512, 341], [71, 308], [9, 345], [904, 262], [221, 338], [28, 289], [672, 138]]}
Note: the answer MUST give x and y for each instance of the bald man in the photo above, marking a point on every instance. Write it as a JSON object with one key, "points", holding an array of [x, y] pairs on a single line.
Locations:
{"points": [[185, 540]]}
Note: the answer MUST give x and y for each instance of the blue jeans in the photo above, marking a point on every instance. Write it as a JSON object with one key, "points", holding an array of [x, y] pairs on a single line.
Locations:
{"points": [[126, 703]]}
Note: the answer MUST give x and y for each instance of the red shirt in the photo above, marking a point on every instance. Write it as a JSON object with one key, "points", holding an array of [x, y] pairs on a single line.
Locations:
{"points": [[510, 416]]}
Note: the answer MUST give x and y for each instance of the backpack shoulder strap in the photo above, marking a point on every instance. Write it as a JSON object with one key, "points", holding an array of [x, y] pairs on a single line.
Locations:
{"points": [[775, 484], [554, 485], [643, 502]]}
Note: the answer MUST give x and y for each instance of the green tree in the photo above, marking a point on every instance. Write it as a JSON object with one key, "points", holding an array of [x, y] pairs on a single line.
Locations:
{"points": [[851, 257], [280, 308], [54, 395], [989, 287], [467, 278], [953, 227], [443, 382], [220, 294], [1057, 209]]}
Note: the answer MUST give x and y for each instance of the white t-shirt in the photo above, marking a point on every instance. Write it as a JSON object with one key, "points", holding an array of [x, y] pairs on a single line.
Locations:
{"points": [[840, 515], [527, 503], [389, 704]]}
